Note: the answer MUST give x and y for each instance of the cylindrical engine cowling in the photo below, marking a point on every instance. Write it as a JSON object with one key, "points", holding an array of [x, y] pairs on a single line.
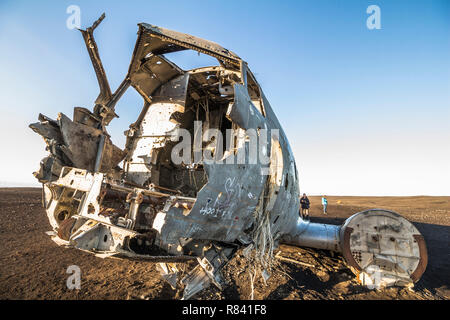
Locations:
{"points": [[381, 247]]}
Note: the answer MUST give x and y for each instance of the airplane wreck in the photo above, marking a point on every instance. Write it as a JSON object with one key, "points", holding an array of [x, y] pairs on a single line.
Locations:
{"points": [[137, 203]]}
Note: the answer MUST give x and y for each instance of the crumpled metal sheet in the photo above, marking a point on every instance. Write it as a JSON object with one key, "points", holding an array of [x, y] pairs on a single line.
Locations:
{"points": [[152, 73], [243, 112], [187, 41], [73, 144], [224, 207], [156, 40]]}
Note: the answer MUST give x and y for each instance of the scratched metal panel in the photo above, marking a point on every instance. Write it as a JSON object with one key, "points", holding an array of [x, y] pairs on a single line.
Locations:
{"points": [[224, 206], [81, 145], [284, 214], [81, 142], [183, 39], [153, 73], [243, 112]]}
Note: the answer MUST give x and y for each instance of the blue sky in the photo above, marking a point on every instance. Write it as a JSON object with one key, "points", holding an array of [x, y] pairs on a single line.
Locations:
{"points": [[367, 112]]}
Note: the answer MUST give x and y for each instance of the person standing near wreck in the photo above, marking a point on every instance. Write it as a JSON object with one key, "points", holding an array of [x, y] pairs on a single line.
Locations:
{"points": [[304, 202], [325, 204]]}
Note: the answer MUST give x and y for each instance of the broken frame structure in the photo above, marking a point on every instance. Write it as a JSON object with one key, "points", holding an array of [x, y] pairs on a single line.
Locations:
{"points": [[137, 203]]}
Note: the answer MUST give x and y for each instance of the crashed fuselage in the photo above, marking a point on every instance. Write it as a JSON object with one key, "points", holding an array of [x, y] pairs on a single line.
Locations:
{"points": [[206, 167]]}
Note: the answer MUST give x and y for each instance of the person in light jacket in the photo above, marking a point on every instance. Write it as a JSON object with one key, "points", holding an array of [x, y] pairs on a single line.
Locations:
{"points": [[325, 204]]}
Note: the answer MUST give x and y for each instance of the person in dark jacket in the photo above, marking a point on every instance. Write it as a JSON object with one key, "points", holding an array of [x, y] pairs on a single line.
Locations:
{"points": [[304, 203]]}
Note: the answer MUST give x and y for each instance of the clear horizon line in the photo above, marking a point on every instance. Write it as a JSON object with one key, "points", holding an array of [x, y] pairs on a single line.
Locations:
{"points": [[6, 185]]}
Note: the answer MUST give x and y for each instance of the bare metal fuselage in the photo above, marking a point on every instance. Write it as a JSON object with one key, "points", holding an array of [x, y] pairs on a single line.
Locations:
{"points": [[154, 208]]}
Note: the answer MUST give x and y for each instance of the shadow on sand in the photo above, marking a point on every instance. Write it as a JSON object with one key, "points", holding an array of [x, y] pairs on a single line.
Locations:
{"points": [[436, 275]]}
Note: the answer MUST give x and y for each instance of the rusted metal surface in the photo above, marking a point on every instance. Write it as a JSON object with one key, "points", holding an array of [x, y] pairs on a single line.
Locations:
{"points": [[91, 46], [138, 203], [384, 247], [65, 228], [346, 252], [422, 265]]}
